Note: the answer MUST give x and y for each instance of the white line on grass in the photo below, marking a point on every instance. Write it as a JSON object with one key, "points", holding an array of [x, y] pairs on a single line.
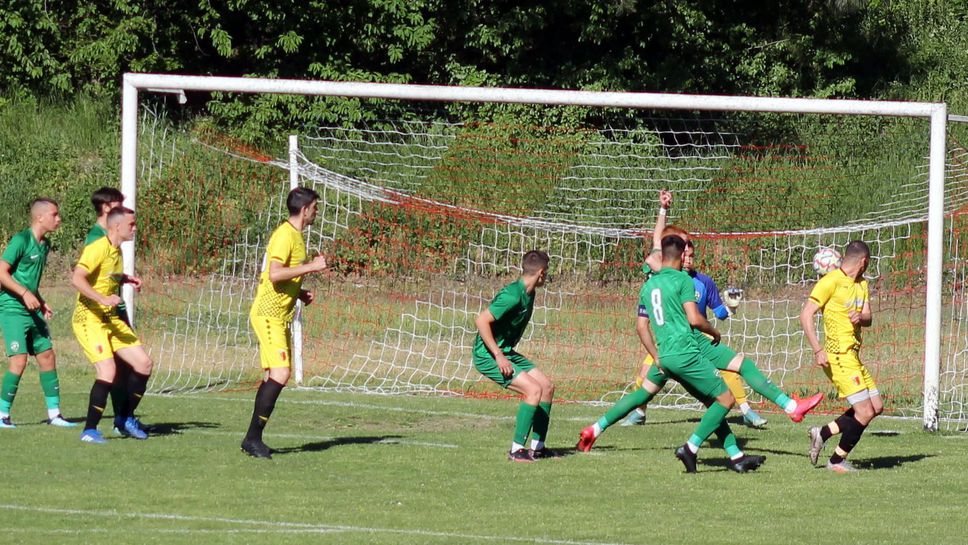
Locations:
{"points": [[290, 526]]}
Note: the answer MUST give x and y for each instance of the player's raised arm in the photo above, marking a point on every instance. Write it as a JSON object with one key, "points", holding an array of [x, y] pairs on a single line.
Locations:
{"points": [[654, 254]]}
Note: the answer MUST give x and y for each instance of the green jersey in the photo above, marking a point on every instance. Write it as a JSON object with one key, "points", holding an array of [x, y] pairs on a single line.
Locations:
{"points": [[661, 299], [512, 308], [27, 257], [95, 233]]}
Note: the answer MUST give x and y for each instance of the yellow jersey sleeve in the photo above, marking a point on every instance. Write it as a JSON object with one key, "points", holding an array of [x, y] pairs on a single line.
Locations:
{"points": [[102, 261], [91, 257], [824, 289]]}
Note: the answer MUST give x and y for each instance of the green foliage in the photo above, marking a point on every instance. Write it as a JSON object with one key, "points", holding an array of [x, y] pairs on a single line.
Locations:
{"points": [[61, 150]]}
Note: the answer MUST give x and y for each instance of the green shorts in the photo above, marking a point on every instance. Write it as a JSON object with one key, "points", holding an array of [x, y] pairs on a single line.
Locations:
{"points": [[659, 378], [487, 366], [719, 355], [695, 373], [25, 333]]}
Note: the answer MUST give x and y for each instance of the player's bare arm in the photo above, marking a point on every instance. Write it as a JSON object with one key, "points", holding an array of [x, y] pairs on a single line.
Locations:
{"points": [[810, 309], [698, 321], [7, 281], [483, 323], [644, 330], [80, 283], [654, 257], [280, 273], [864, 318]]}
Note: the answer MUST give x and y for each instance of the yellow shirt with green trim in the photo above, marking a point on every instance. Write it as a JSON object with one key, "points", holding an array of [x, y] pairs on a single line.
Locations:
{"points": [[837, 294], [278, 299], [102, 261]]}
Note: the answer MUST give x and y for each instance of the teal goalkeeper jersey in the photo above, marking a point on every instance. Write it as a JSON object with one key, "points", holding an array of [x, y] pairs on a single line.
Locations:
{"points": [[661, 298], [512, 308], [27, 257]]}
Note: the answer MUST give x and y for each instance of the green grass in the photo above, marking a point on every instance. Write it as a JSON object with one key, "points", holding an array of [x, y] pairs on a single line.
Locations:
{"points": [[405, 469]]}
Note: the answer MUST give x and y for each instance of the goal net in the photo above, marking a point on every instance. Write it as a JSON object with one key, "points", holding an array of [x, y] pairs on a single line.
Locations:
{"points": [[424, 217]]}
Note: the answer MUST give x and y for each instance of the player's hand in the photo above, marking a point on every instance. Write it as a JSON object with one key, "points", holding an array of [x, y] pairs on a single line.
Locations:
{"points": [[112, 300], [134, 281], [854, 316], [504, 365], [821, 358], [665, 198], [47, 311], [30, 300], [732, 297], [716, 337], [318, 263], [306, 297]]}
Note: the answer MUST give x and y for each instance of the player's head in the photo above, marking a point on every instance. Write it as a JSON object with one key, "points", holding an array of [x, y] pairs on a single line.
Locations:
{"points": [[678, 231], [45, 213], [121, 223], [856, 255], [535, 263], [303, 202], [104, 199], [688, 256], [672, 248]]}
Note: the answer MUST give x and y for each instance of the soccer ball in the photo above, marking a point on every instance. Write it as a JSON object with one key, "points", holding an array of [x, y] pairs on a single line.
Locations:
{"points": [[826, 260]]}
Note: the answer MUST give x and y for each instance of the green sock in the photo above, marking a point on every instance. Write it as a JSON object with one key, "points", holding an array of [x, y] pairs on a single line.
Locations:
{"points": [[522, 426], [51, 387], [726, 437], [8, 391], [760, 384], [624, 406], [711, 420], [542, 417]]}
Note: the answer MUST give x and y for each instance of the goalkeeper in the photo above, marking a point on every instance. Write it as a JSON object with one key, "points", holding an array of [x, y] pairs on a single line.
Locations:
{"points": [[721, 356]]}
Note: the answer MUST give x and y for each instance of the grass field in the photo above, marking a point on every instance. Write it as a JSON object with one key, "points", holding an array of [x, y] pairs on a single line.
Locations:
{"points": [[404, 469]]}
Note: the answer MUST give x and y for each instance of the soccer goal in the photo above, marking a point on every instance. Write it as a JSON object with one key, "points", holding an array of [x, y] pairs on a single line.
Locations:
{"points": [[424, 216]]}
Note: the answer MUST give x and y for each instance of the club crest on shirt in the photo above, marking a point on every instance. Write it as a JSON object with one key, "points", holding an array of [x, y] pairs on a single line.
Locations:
{"points": [[14, 346], [283, 355]]}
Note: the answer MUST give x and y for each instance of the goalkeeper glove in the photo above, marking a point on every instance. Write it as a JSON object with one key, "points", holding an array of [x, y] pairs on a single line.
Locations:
{"points": [[732, 298]]}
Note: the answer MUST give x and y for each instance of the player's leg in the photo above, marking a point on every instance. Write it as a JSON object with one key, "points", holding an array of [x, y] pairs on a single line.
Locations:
{"points": [[702, 378], [119, 394], [637, 416], [654, 381], [530, 389], [137, 383], [854, 383], [542, 415], [50, 384], [795, 409], [735, 385], [97, 401], [739, 461], [275, 347], [14, 327]]}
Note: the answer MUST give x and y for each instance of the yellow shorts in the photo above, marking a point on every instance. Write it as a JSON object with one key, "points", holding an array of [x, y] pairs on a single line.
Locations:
{"points": [[102, 336], [275, 341], [848, 374]]}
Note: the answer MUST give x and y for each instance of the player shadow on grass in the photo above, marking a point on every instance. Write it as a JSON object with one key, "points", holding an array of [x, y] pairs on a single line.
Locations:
{"points": [[159, 429], [888, 462], [318, 446]]}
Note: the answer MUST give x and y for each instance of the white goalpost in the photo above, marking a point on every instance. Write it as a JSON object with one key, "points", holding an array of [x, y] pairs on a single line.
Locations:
{"points": [[447, 308]]}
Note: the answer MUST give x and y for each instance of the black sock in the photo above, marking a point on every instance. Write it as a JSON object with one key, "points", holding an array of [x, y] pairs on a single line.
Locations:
{"points": [[265, 402], [137, 384], [842, 420], [849, 438], [98, 400], [119, 393]]}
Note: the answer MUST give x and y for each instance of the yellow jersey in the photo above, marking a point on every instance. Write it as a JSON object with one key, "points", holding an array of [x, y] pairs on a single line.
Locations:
{"points": [[278, 299], [102, 261], [837, 294]]}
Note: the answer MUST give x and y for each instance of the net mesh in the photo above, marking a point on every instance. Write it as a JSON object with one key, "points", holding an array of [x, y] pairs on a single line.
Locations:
{"points": [[423, 222]]}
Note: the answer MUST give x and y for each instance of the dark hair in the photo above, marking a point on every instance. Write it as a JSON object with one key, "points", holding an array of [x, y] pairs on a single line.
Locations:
{"points": [[41, 200], [105, 195], [856, 249], [535, 261], [672, 247], [300, 198], [118, 212]]}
